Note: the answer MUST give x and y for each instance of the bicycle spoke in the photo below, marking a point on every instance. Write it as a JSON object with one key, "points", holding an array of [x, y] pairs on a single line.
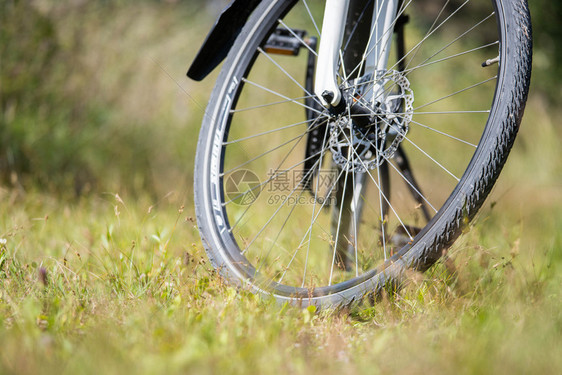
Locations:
{"points": [[312, 18], [267, 132], [406, 72], [382, 217], [285, 97], [387, 201], [453, 41], [274, 214], [401, 175], [297, 138], [310, 227], [412, 186], [443, 133], [283, 225], [420, 43], [354, 212], [390, 28], [451, 57], [449, 112], [339, 223], [400, 61], [293, 100], [416, 146], [423, 152], [323, 148], [276, 174], [289, 76], [259, 187], [378, 187], [298, 38], [357, 22]]}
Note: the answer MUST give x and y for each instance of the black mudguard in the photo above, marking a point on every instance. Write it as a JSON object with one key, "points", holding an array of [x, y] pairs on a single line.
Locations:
{"points": [[221, 38]]}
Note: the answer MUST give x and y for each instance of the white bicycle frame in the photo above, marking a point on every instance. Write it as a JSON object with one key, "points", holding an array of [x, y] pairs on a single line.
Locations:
{"points": [[374, 58]]}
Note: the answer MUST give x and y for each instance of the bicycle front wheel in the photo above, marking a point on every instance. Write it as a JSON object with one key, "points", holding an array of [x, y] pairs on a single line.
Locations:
{"points": [[322, 208]]}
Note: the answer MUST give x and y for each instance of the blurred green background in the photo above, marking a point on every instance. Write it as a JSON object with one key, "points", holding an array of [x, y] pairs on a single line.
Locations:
{"points": [[93, 95], [90, 97]]}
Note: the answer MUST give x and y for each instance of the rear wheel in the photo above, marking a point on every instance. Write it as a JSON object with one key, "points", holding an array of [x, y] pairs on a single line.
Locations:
{"points": [[317, 208]]}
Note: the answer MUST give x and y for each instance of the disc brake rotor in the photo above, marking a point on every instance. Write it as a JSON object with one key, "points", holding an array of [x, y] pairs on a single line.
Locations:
{"points": [[364, 148]]}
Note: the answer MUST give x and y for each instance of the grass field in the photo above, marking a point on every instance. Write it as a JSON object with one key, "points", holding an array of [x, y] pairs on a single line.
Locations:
{"points": [[108, 275]]}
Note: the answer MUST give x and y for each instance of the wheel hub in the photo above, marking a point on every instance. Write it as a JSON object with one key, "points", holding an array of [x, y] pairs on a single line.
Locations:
{"points": [[376, 120]]}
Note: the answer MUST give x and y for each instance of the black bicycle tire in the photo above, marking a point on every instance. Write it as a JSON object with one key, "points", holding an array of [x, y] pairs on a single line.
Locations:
{"points": [[463, 203]]}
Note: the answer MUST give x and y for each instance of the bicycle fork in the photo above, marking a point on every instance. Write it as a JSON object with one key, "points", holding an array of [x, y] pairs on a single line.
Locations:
{"points": [[375, 57]]}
